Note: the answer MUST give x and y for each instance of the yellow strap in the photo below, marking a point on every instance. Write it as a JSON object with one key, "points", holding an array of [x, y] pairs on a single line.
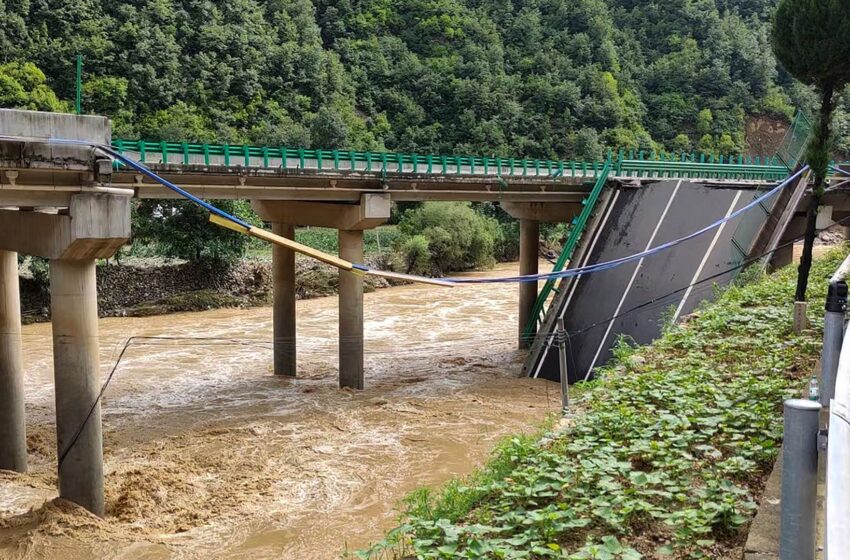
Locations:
{"points": [[260, 233], [332, 260]]}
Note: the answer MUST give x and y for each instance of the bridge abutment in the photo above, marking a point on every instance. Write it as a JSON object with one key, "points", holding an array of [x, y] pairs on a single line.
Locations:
{"points": [[350, 220], [13, 438]]}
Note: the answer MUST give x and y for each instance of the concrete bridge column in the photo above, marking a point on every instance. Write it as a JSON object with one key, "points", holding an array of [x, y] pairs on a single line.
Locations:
{"points": [[76, 364], [530, 216], [351, 312], [529, 240], [93, 226], [283, 279], [349, 220], [13, 439]]}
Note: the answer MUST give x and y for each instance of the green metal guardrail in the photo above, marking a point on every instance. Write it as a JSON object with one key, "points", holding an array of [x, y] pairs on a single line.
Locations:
{"points": [[578, 226], [689, 170], [627, 164], [336, 160]]}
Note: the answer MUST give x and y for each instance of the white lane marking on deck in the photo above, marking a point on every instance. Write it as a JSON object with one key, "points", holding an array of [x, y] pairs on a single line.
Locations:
{"points": [[705, 257], [585, 258], [632, 281]]}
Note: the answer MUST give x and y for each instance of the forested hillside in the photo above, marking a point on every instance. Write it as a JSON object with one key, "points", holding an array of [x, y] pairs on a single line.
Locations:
{"points": [[539, 78]]}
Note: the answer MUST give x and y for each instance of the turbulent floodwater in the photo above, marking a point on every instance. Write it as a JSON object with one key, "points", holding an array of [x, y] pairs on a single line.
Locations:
{"points": [[210, 456]]}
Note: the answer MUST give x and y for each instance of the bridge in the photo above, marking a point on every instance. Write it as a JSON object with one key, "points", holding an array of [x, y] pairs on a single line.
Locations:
{"points": [[71, 205]]}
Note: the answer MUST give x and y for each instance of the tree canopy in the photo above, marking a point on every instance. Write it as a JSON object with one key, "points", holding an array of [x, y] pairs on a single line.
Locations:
{"points": [[811, 38], [538, 78]]}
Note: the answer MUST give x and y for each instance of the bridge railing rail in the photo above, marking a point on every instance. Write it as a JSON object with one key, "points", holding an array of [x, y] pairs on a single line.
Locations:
{"points": [[346, 160], [633, 163]]}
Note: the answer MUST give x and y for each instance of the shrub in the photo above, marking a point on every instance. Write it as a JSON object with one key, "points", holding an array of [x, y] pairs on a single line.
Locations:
{"points": [[413, 256], [457, 237]]}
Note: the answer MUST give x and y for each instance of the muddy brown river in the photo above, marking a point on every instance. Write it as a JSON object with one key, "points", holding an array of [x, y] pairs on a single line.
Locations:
{"points": [[208, 455]]}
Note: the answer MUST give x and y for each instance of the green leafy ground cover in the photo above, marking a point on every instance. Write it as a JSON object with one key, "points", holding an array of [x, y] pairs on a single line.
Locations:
{"points": [[666, 459]]}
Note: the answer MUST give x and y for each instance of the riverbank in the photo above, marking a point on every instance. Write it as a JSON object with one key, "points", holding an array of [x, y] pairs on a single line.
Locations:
{"points": [[666, 458], [146, 287]]}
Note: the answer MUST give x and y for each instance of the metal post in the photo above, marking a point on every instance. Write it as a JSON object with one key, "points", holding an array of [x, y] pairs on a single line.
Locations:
{"points": [[833, 335], [562, 359], [79, 101], [799, 480]]}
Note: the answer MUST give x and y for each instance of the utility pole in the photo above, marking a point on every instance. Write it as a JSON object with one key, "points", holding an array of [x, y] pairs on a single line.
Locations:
{"points": [[79, 101], [562, 359]]}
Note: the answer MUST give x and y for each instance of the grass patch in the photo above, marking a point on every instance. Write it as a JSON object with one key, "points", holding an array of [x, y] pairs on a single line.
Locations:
{"points": [[667, 459]]}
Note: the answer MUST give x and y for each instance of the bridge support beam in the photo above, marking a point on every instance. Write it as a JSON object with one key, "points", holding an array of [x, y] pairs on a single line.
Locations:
{"points": [[529, 240], [530, 215], [13, 439], [351, 312], [350, 220], [283, 312], [76, 371]]}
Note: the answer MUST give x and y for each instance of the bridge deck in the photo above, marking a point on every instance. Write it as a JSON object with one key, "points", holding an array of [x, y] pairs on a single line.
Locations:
{"points": [[219, 171]]}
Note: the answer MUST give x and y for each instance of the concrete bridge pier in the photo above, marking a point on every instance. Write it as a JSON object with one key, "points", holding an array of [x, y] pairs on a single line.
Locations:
{"points": [[76, 371], [529, 243], [283, 310], [351, 312], [93, 226], [13, 438], [54, 204], [530, 216], [350, 220]]}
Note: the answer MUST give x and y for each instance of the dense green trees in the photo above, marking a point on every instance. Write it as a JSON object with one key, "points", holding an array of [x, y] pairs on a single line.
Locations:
{"points": [[539, 78], [23, 85], [181, 229]]}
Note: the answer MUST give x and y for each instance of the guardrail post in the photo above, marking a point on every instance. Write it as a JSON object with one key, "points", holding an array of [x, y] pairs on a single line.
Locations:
{"points": [[833, 335], [799, 480]]}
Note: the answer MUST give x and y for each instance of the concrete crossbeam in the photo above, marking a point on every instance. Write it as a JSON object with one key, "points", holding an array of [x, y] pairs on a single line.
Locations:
{"points": [[96, 226], [549, 212], [372, 211]]}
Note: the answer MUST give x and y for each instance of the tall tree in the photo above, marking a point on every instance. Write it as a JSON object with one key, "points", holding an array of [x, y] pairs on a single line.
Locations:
{"points": [[811, 39]]}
